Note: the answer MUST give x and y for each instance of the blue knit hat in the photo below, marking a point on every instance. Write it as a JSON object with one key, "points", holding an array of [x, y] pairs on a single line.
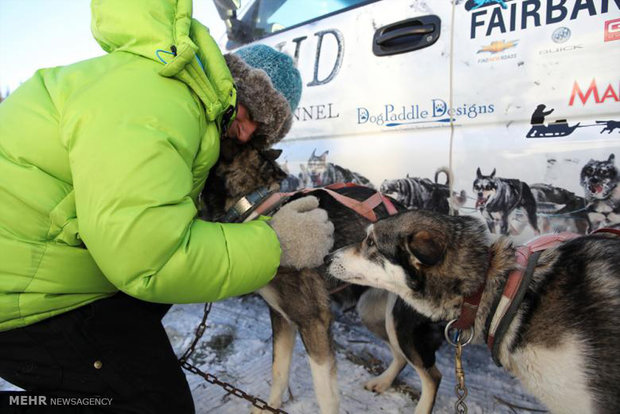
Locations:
{"points": [[269, 86], [279, 67]]}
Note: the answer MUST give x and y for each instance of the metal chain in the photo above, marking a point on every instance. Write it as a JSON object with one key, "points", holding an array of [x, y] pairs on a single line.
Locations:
{"points": [[460, 388], [200, 330], [212, 379]]}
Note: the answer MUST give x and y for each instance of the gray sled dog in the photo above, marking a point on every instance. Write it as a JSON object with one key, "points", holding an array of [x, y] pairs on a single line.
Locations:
{"points": [[562, 340], [299, 301], [601, 183]]}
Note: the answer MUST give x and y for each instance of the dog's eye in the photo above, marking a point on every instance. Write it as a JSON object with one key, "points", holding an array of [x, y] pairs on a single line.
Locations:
{"points": [[370, 242]]}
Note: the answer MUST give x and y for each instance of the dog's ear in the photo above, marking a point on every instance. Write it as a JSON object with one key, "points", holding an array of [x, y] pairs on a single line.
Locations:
{"points": [[272, 154], [612, 157], [478, 173], [493, 173], [324, 155], [427, 246]]}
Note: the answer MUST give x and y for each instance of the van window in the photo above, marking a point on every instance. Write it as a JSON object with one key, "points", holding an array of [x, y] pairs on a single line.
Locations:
{"points": [[264, 17]]}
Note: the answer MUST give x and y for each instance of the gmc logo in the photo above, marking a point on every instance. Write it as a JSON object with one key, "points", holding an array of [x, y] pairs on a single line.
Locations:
{"points": [[612, 30]]}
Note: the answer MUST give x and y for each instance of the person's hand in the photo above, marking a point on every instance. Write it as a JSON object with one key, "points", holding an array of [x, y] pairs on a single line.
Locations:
{"points": [[306, 235]]}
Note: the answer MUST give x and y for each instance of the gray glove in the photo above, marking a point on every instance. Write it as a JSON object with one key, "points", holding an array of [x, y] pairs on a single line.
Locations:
{"points": [[305, 233]]}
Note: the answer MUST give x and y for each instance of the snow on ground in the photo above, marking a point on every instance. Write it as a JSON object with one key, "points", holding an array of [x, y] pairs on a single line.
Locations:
{"points": [[236, 348]]}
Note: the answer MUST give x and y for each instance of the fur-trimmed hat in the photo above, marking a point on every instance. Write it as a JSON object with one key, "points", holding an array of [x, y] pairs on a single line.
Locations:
{"points": [[269, 86]]}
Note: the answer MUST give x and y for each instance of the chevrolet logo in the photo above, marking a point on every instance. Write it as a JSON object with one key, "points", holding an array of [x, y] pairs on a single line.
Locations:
{"points": [[498, 46]]}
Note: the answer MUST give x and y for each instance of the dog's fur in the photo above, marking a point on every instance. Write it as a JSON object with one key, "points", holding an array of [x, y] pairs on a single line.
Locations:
{"points": [[299, 300], [498, 197], [561, 343], [415, 192], [600, 180]]}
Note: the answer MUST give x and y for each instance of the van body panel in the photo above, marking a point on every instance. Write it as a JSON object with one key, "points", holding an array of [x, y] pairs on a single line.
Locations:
{"points": [[524, 91]]}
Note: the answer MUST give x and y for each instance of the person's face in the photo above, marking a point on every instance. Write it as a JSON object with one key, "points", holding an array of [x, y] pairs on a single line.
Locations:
{"points": [[242, 127]]}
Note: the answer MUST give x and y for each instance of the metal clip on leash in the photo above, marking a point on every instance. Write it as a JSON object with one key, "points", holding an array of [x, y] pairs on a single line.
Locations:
{"points": [[460, 407]]}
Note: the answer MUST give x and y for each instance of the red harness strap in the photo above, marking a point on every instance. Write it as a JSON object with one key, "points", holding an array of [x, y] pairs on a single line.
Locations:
{"points": [[517, 283], [364, 208], [470, 304]]}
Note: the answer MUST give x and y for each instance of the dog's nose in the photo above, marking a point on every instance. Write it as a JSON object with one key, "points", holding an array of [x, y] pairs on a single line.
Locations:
{"points": [[329, 258]]}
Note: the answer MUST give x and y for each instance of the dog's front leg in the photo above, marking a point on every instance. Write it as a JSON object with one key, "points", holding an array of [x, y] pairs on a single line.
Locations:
{"points": [[504, 225], [491, 225], [431, 377], [489, 219]]}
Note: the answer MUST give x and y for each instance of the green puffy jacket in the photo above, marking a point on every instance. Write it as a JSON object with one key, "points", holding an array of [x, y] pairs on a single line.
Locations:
{"points": [[101, 164]]}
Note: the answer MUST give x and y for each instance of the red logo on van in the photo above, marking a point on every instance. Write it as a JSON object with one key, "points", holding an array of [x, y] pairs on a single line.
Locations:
{"points": [[612, 30], [598, 95]]}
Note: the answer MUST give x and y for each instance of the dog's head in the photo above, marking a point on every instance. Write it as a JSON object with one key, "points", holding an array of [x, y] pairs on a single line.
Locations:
{"points": [[240, 170], [395, 189], [317, 164], [599, 178], [485, 187], [430, 260]]}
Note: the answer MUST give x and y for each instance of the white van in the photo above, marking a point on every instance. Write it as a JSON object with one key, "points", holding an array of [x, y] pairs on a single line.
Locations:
{"points": [[520, 99]]}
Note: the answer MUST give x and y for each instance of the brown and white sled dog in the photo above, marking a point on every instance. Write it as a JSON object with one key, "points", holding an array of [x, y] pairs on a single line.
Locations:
{"points": [[563, 341], [299, 301]]}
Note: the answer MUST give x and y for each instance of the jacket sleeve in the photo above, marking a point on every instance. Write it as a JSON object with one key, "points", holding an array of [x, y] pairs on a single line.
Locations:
{"points": [[131, 157]]}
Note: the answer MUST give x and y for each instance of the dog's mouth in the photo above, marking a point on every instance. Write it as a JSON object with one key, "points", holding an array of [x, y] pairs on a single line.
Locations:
{"points": [[598, 190], [481, 201], [338, 271]]}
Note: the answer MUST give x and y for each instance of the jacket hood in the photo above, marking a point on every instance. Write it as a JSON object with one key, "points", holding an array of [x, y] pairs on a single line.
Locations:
{"points": [[164, 31]]}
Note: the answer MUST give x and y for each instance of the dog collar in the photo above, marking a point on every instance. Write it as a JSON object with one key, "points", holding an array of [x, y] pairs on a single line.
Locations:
{"points": [[245, 205], [469, 308]]}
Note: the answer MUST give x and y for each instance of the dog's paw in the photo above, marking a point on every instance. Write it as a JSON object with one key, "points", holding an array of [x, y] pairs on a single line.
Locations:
{"points": [[378, 384]]}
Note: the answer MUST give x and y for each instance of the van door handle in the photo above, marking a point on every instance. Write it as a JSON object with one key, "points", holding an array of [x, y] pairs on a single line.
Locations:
{"points": [[406, 35]]}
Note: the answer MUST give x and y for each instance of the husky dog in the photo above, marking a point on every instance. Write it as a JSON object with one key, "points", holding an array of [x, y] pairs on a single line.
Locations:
{"points": [[414, 192], [321, 173], [566, 210], [499, 197], [300, 300], [562, 342], [599, 180]]}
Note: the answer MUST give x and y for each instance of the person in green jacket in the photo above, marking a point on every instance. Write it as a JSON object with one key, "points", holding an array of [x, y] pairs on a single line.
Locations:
{"points": [[101, 165]]}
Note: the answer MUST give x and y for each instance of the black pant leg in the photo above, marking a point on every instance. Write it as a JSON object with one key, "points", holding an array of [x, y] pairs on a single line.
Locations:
{"points": [[113, 347]]}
